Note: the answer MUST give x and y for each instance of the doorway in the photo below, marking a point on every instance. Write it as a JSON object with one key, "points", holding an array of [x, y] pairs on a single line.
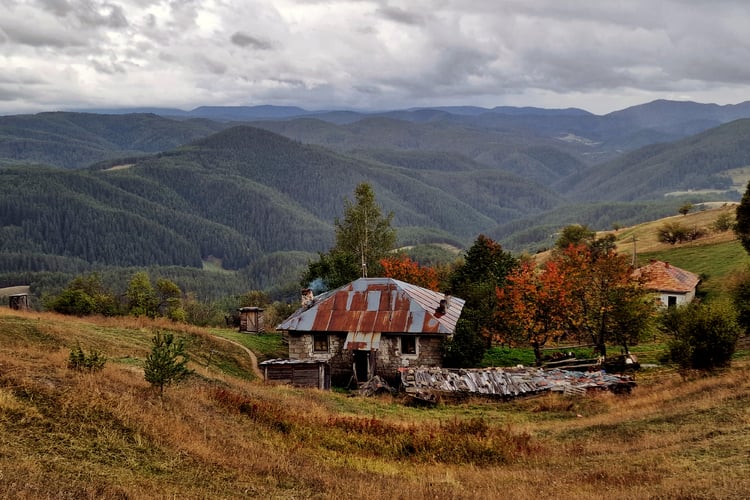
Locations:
{"points": [[363, 364]]}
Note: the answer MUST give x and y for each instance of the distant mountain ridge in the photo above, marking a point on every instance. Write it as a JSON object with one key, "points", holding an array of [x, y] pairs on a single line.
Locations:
{"points": [[260, 196]]}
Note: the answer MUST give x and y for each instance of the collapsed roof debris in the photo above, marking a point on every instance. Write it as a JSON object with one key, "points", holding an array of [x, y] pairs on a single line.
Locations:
{"points": [[507, 383]]}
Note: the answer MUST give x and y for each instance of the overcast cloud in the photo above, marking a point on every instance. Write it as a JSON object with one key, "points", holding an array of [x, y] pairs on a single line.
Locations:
{"points": [[598, 55]]}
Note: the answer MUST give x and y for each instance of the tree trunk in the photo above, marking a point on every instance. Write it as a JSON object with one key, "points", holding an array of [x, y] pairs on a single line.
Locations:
{"points": [[537, 353]]}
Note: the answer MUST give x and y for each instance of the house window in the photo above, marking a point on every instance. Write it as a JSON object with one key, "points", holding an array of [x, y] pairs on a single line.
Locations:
{"points": [[320, 342], [671, 301], [408, 345]]}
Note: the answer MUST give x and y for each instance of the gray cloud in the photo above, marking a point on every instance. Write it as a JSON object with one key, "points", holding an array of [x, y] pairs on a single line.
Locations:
{"points": [[39, 36], [599, 56], [398, 15], [107, 67], [211, 65], [245, 40]]}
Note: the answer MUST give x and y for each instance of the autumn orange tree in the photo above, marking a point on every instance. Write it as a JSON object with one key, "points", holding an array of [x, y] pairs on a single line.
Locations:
{"points": [[401, 267], [533, 306], [609, 304], [583, 292]]}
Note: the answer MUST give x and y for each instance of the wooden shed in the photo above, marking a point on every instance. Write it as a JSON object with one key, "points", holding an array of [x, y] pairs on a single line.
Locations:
{"points": [[19, 302], [298, 372], [18, 297], [251, 319]]}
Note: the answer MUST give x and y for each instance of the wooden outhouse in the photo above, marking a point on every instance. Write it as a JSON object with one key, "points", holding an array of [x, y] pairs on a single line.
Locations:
{"points": [[251, 319]]}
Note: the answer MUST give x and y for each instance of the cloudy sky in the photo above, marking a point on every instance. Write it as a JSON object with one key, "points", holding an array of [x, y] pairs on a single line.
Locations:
{"points": [[599, 55]]}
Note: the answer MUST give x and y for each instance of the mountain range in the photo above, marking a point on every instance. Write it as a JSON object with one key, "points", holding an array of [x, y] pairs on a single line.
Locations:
{"points": [[256, 189]]}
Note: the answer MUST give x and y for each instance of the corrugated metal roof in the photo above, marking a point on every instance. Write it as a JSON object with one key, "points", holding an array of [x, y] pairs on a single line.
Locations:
{"points": [[664, 277], [377, 305], [15, 290], [362, 341]]}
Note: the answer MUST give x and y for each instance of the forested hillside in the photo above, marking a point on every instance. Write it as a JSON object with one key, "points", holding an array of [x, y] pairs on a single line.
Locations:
{"points": [[74, 140], [238, 196], [138, 191], [700, 162]]}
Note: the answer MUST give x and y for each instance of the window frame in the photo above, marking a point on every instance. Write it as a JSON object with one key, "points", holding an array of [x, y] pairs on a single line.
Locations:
{"points": [[319, 338], [412, 339]]}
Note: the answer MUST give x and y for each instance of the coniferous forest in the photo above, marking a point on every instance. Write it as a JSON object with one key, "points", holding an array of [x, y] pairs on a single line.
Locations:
{"points": [[222, 207]]}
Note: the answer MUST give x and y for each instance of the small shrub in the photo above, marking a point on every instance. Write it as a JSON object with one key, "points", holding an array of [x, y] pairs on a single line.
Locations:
{"points": [[704, 337], [724, 222], [686, 208], [79, 360]]}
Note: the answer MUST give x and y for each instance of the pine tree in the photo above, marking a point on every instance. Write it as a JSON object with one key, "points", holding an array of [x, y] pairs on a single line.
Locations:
{"points": [[167, 362], [742, 226]]}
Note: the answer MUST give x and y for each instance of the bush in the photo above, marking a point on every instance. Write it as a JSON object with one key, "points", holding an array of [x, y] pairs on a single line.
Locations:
{"points": [[739, 291], [724, 222], [466, 348], [79, 360], [674, 232], [704, 337]]}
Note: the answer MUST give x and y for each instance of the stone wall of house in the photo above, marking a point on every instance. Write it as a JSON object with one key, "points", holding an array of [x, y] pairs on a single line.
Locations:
{"points": [[301, 347], [389, 358]]}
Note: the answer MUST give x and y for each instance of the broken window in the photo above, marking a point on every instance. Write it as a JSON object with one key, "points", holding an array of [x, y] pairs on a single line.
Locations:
{"points": [[320, 342], [408, 345]]}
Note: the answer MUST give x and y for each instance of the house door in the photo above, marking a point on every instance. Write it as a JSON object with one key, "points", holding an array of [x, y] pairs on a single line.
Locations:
{"points": [[362, 365]]}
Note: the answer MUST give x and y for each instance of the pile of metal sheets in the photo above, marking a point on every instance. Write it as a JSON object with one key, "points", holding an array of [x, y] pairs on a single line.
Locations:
{"points": [[429, 383]]}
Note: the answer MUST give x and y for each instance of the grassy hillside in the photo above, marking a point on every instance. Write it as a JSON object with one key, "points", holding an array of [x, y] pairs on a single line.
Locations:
{"points": [[716, 257], [222, 434]]}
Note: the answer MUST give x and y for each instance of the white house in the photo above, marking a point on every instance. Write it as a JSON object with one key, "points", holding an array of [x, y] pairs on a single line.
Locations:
{"points": [[674, 286]]}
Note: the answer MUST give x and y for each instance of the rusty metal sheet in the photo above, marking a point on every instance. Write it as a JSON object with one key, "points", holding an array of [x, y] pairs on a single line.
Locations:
{"points": [[377, 305], [362, 341]]}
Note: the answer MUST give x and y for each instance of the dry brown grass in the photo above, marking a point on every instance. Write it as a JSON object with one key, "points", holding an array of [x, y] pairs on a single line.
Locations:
{"points": [[646, 234], [65, 434]]}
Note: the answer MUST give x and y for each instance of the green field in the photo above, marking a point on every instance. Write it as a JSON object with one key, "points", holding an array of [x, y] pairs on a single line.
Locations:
{"points": [[715, 263]]}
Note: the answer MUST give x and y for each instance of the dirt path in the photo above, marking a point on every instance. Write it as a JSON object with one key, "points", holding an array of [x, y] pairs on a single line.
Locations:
{"points": [[253, 358]]}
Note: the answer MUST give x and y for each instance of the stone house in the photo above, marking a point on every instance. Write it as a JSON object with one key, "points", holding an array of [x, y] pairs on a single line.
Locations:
{"points": [[372, 326], [673, 286]]}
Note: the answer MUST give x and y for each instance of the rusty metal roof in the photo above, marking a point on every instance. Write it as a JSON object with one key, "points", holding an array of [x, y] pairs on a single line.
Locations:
{"points": [[362, 341], [663, 277], [377, 305]]}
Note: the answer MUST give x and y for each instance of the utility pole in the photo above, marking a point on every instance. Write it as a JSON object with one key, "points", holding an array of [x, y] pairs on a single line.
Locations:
{"points": [[635, 254]]}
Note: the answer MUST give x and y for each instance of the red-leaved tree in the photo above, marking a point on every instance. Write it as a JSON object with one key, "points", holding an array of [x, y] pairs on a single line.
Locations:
{"points": [[533, 306], [401, 267]]}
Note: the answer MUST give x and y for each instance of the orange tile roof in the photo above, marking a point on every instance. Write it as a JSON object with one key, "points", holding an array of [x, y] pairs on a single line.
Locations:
{"points": [[663, 277]]}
